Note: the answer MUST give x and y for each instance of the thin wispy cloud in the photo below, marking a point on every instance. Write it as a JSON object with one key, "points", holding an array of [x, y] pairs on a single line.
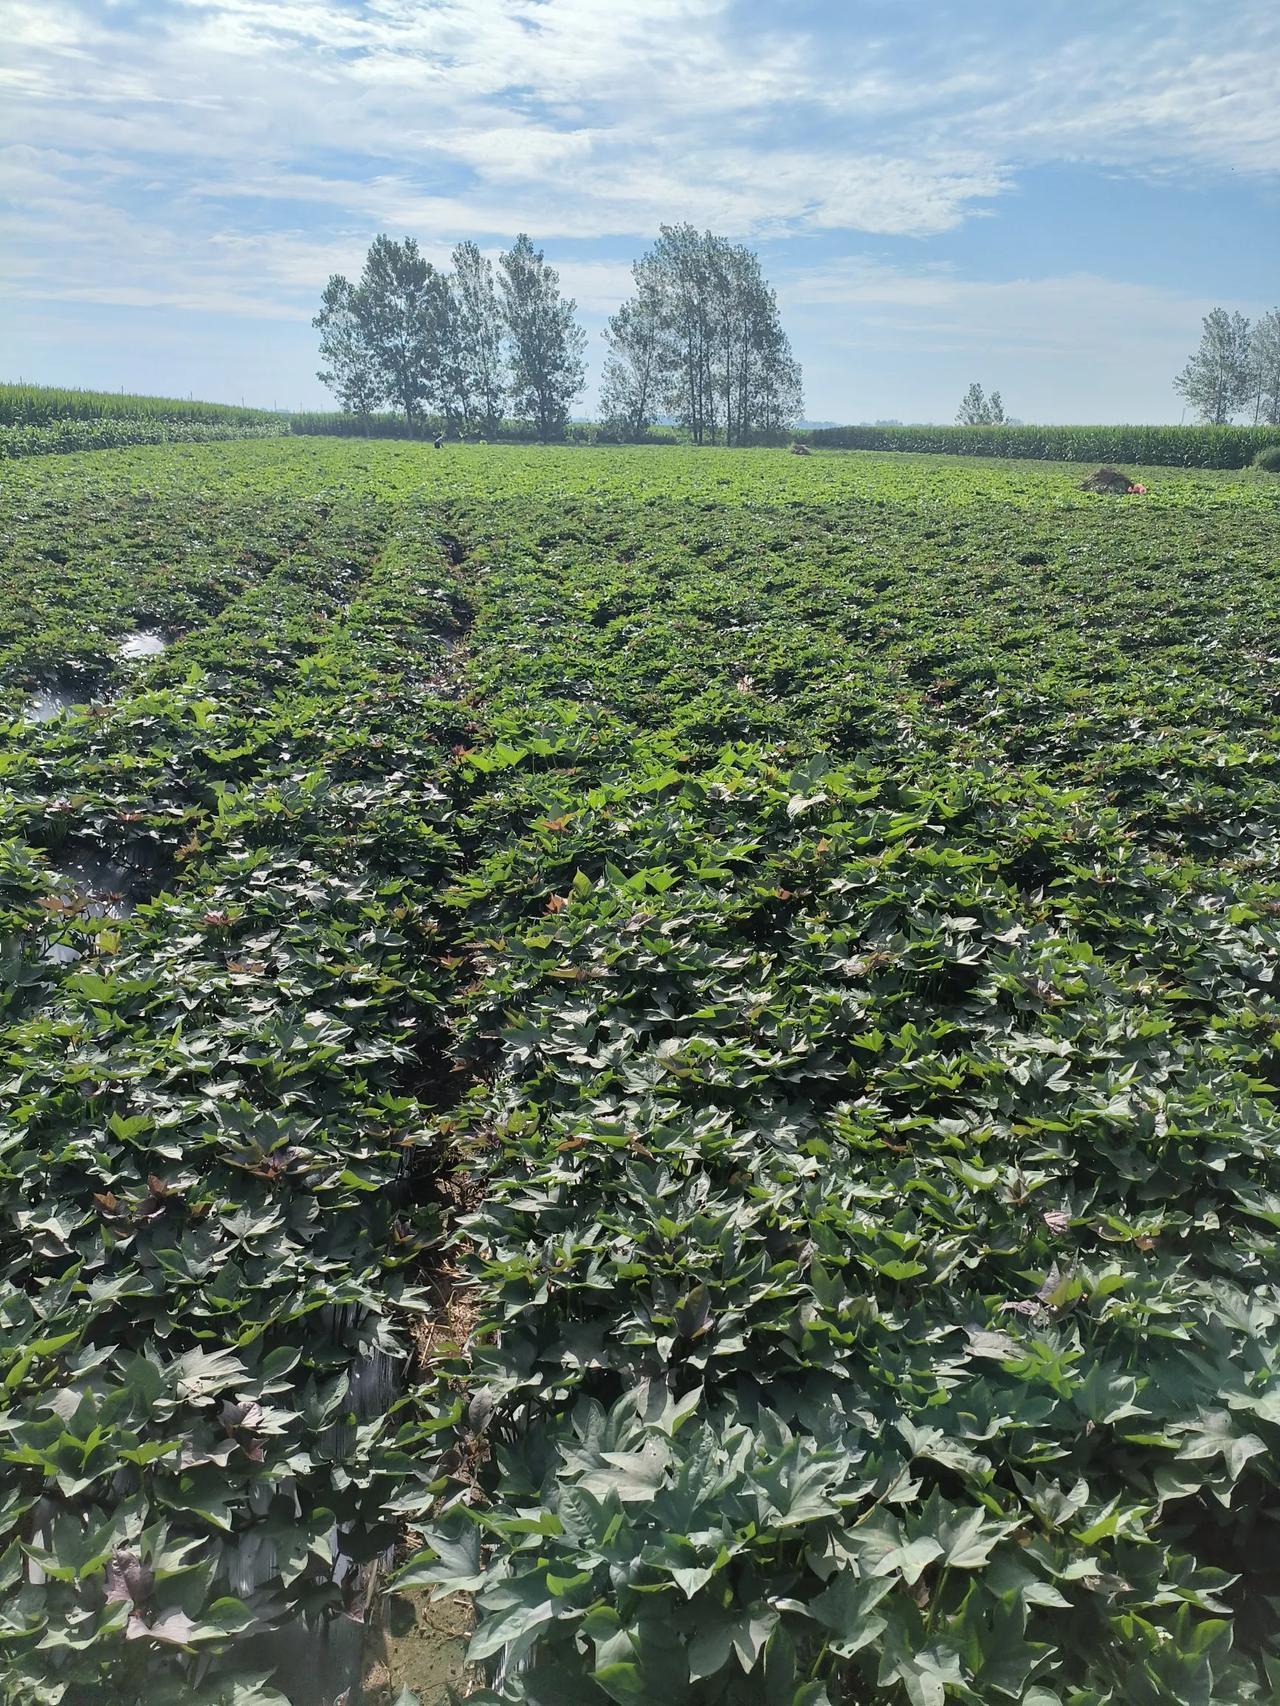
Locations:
{"points": [[223, 156]]}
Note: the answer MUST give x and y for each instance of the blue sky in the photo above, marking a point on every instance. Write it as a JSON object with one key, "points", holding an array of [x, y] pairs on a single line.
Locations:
{"points": [[1045, 197]]}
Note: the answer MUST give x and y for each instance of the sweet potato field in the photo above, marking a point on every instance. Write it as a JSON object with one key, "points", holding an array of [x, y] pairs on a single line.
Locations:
{"points": [[683, 1044]]}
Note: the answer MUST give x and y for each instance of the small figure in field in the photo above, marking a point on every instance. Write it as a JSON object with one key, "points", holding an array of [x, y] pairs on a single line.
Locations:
{"points": [[438, 441]]}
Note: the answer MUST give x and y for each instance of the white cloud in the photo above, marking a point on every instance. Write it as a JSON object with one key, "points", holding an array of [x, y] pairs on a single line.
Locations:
{"points": [[606, 119], [229, 154], [1155, 98], [46, 26], [1080, 315], [581, 119]]}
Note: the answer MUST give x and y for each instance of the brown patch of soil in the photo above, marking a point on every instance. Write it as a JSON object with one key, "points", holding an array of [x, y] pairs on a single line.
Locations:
{"points": [[444, 1333], [415, 1644]]}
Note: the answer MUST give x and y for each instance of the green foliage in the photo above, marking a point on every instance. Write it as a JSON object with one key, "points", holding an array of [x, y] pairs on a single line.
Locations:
{"points": [[701, 340], [977, 409], [41, 420], [1220, 377], [45, 405], [218, 1112], [545, 344], [117, 432], [322, 423], [823, 911], [382, 423], [1268, 459], [1168, 446]]}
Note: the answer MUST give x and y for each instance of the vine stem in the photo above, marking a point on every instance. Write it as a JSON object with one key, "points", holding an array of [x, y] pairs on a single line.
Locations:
{"points": [[937, 1596]]}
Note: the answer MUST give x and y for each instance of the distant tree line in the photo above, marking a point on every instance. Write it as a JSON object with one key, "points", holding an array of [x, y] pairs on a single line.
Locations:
{"points": [[700, 342], [465, 345], [1236, 369]]}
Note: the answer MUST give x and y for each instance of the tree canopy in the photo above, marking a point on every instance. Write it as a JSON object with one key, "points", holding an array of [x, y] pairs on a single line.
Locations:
{"points": [[977, 409], [546, 344], [1217, 382], [701, 339], [421, 339]]}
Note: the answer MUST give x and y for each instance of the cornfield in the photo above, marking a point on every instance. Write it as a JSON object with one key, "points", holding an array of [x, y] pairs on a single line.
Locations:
{"points": [[331, 423], [1168, 446], [43, 405]]}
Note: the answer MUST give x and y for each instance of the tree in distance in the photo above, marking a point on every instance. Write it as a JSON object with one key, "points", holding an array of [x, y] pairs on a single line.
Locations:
{"points": [[546, 344], [346, 348], [977, 409], [701, 339], [1264, 364], [408, 303], [449, 342], [383, 338], [1218, 380], [478, 334], [637, 371]]}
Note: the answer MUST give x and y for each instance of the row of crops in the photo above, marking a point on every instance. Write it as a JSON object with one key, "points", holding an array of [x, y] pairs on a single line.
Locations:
{"points": [[220, 1026], [117, 432], [1153, 446], [323, 423], [779, 954], [333, 423], [45, 405], [43, 420], [40, 420]]}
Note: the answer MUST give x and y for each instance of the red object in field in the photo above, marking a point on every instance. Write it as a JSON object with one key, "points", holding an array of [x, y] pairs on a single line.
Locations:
{"points": [[1137, 491]]}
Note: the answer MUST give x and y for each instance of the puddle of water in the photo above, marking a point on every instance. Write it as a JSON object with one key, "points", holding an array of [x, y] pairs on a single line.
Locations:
{"points": [[48, 703], [104, 891], [146, 643], [105, 888]]}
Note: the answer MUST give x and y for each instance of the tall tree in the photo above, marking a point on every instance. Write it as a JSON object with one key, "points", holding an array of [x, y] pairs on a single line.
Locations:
{"points": [[1264, 362], [973, 410], [684, 264], [704, 326], [449, 388], [637, 368], [547, 343], [408, 313], [780, 397], [478, 333], [747, 321], [1217, 381], [351, 369], [977, 409]]}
